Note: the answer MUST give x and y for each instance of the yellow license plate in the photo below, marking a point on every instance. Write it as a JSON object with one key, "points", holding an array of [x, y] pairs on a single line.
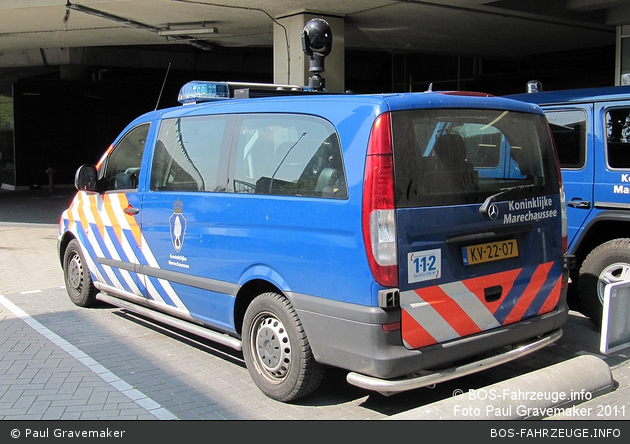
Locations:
{"points": [[492, 251]]}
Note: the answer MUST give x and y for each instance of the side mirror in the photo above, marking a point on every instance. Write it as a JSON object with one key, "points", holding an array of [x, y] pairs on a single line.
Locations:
{"points": [[86, 178]]}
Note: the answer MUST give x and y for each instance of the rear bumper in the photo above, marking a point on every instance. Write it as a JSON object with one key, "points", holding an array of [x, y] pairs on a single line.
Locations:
{"points": [[389, 386], [351, 337]]}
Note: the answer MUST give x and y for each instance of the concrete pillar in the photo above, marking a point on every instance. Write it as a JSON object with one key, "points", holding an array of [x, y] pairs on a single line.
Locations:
{"points": [[291, 64]]}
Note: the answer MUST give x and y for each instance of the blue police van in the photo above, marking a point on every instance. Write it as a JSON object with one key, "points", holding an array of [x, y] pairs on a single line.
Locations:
{"points": [[390, 235], [406, 238], [591, 129]]}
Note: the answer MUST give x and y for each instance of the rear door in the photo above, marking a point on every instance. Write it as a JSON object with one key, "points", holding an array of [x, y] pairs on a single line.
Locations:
{"points": [[572, 128], [479, 243]]}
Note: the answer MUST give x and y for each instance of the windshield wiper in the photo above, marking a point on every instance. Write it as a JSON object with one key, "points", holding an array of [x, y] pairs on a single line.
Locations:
{"points": [[486, 203]]}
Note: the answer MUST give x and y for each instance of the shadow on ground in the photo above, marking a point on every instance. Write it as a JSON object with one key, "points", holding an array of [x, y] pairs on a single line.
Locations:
{"points": [[39, 206]]}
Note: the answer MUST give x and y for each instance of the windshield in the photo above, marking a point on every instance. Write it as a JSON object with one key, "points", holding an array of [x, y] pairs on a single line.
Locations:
{"points": [[455, 156]]}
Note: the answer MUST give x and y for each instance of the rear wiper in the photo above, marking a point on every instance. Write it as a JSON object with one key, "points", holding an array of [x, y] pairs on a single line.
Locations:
{"points": [[486, 203]]}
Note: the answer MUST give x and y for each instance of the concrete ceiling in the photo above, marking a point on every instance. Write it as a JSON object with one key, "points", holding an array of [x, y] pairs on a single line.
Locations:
{"points": [[505, 28]]}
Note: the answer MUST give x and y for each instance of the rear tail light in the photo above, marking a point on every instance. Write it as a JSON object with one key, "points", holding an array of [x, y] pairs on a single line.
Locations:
{"points": [[563, 212], [379, 216], [563, 201], [565, 235], [564, 242], [383, 236]]}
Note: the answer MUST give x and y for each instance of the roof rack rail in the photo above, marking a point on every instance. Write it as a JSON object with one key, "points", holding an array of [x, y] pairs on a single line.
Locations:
{"points": [[244, 90], [204, 91], [265, 86]]}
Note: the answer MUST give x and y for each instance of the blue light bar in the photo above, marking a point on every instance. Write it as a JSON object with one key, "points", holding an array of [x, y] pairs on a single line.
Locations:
{"points": [[201, 91]]}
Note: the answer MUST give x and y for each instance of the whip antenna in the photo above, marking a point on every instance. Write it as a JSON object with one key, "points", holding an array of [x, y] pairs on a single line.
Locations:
{"points": [[162, 89]]}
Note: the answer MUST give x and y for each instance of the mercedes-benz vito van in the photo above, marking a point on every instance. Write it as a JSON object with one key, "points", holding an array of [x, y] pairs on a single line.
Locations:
{"points": [[390, 235]]}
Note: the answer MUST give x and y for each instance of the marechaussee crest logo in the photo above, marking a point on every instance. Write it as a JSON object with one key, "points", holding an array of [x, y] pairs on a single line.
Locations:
{"points": [[177, 223]]}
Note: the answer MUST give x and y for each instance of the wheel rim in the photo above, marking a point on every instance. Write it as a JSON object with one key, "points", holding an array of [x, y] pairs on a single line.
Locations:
{"points": [[271, 347], [75, 272], [613, 273]]}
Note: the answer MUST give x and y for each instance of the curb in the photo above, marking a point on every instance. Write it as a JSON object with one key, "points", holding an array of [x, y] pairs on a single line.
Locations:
{"points": [[550, 391]]}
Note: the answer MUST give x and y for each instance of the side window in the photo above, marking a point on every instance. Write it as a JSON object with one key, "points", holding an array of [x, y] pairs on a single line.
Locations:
{"points": [[569, 132], [618, 138], [188, 154], [287, 155], [123, 164]]}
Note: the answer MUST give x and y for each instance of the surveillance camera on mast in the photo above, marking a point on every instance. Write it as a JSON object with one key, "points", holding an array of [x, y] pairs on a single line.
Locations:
{"points": [[317, 44]]}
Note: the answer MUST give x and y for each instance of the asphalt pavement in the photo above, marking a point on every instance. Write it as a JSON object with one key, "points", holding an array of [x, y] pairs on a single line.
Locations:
{"points": [[60, 362]]}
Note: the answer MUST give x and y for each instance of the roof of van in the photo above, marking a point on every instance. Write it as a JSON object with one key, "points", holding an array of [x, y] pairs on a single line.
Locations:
{"points": [[317, 104], [607, 93]]}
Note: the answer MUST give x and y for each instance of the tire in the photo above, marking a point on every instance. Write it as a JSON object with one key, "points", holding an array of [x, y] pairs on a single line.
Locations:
{"points": [[277, 351], [606, 264], [77, 276]]}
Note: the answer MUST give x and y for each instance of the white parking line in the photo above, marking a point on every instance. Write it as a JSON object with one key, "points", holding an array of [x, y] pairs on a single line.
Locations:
{"points": [[123, 387]]}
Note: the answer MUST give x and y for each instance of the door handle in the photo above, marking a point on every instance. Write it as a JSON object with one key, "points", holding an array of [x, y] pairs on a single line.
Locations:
{"points": [[578, 203], [131, 211]]}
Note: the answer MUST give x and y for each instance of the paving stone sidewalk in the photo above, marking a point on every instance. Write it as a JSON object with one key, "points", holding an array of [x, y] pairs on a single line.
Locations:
{"points": [[42, 377]]}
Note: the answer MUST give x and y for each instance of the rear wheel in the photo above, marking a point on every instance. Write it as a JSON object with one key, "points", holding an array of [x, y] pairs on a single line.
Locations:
{"points": [[606, 264], [277, 351], [77, 276]]}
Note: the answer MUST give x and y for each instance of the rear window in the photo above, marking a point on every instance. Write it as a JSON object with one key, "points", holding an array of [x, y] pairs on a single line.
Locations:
{"points": [[456, 156]]}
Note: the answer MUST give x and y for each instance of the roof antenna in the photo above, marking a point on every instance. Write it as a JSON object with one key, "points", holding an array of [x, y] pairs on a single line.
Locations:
{"points": [[162, 89], [430, 88]]}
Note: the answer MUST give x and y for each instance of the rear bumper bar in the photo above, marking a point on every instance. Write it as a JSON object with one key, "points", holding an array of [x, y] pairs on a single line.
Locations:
{"points": [[391, 386]]}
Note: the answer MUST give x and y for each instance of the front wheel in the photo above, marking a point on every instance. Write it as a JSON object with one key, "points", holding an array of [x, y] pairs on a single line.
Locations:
{"points": [[276, 349], [77, 276], [606, 264]]}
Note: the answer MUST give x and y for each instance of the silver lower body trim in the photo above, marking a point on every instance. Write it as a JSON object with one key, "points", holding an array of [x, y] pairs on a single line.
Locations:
{"points": [[391, 386], [198, 330]]}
